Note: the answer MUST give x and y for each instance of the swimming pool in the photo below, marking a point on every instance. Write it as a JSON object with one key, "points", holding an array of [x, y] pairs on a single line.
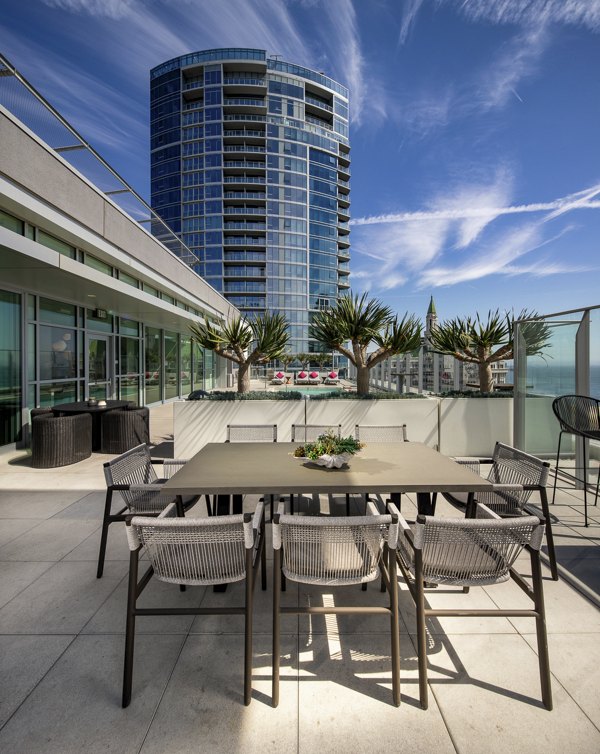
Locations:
{"points": [[309, 391]]}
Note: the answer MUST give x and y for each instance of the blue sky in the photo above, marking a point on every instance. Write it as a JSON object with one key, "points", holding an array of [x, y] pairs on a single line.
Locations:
{"points": [[475, 125]]}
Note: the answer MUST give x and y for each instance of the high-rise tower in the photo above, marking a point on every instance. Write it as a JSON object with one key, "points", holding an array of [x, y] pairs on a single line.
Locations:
{"points": [[250, 163]]}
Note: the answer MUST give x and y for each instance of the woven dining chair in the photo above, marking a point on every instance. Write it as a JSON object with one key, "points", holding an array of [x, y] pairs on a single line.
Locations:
{"points": [[132, 475], [578, 415], [336, 552], [375, 433], [479, 551], [515, 476], [245, 433], [195, 552]]}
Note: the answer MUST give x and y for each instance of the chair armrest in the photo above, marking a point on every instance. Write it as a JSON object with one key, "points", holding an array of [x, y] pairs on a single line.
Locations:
{"points": [[482, 511], [258, 515], [497, 487], [155, 487]]}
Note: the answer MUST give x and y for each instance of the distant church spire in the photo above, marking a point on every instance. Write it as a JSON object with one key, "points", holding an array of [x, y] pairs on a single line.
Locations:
{"points": [[431, 319]]}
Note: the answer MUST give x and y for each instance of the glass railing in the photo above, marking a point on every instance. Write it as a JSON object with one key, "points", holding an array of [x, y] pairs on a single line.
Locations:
{"points": [[244, 179], [569, 363], [244, 102], [245, 226], [245, 80], [318, 122], [244, 241], [245, 195], [244, 164], [243, 148], [242, 116], [244, 256], [244, 210], [318, 103]]}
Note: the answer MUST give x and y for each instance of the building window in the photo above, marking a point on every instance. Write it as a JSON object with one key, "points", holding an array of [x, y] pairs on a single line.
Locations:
{"points": [[10, 367], [55, 243]]}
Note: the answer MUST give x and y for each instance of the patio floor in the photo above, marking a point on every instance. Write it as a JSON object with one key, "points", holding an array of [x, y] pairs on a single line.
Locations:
{"points": [[62, 640]]}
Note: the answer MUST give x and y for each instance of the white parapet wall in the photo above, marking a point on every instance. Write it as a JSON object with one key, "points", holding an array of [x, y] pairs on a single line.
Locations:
{"points": [[458, 426]]}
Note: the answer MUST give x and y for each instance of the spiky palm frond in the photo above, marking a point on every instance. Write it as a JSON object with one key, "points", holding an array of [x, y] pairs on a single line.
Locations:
{"points": [[353, 318], [271, 336], [399, 336], [534, 332]]}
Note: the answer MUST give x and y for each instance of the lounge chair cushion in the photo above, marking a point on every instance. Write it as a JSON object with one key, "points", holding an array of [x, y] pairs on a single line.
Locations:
{"points": [[302, 375], [279, 375], [332, 375], [313, 375]]}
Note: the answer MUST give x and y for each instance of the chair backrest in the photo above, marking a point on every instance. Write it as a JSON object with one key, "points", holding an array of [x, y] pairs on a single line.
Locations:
{"points": [[577, 414], [331, 551], [194, 551], [310, 432], [251, 433], [512, 466], [132, 467], [380, 433], [471, 552]]}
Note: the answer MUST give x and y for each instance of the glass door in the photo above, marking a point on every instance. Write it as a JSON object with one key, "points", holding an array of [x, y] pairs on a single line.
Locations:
{"points": [[99, 367]]}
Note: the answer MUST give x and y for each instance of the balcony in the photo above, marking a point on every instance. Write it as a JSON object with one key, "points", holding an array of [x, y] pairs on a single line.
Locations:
{"points": [[245, 226], [245, 195], [244, 241], [320, 104], [243, 178], [244, 210]]}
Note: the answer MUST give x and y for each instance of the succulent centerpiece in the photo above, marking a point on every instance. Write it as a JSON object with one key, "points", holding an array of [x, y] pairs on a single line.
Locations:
{"points": [[329, 450]]}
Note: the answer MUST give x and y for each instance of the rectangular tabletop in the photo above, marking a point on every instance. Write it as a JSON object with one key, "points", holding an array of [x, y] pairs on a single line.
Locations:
{"points": [[270, 468]]}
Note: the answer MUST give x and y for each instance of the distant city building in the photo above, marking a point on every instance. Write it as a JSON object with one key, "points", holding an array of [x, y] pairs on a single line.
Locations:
{"points": [[427, 371], [250, 163]]}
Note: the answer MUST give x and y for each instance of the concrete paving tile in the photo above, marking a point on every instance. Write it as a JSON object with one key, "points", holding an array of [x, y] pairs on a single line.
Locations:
{"points": [[572, 664], [11, 528], [88, 506], [35, 503], [77, 706], [61, 600], [345, 700], [488, 689], [263, 610], [116, 546], [586, 568], [14, 577], [24, 661], [111, 617], [51, 540], [567, 611], [203, 709]]}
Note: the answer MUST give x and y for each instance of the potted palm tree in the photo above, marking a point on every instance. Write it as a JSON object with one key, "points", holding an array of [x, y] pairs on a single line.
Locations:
{"points": [[362, 321], [245, 342], [475, 341]]}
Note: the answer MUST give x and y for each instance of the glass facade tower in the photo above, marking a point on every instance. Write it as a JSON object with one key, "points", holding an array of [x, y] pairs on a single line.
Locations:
{"points": [[250, 164]]}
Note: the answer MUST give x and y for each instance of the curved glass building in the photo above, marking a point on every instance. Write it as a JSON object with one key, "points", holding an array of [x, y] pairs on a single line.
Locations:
{"points": [[250, 162]]}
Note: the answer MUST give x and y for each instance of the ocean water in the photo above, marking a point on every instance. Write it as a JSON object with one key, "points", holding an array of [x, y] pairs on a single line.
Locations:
{"points": [[556, 379]]}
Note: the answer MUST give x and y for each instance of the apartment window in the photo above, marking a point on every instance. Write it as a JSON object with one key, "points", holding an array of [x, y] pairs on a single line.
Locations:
{"points": [[55, 243], [12, 223], [129, 279], [98, 264]]}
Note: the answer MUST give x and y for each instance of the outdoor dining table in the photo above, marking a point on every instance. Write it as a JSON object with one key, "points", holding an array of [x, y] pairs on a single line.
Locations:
{"points": [[82, 407], [237, 469]]}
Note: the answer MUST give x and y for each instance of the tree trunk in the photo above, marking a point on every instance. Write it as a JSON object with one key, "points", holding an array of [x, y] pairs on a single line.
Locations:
{"points": [[362, 380], [486, 384], [243, 378]]}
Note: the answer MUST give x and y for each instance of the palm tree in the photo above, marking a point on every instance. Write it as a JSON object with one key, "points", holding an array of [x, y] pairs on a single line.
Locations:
{"points": [[268, 332], [474, 341], [361, 322]]}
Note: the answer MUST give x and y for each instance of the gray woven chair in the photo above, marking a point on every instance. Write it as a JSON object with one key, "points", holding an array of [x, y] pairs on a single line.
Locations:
{"points": [[578, 415], [195, 552], [245, 433], [60, 440], [132, 474], [125, 428], [478, 551], [309, 433], [515, 476], [336, 552], [374, 433], [380, 433], [251, 433]]}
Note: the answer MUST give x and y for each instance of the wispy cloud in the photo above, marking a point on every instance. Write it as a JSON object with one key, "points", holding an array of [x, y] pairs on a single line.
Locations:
{"points": [[410, 11], [114, 9], [532, 12], [456, 240]]}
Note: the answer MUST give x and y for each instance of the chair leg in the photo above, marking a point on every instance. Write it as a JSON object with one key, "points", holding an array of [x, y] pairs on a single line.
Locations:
{"points": [[276, 626], [130, 627], [106, 521], [263, 561], [394, 626], [421, 631], [248, 629], [556, 466], [549, 535], [540, 626]]}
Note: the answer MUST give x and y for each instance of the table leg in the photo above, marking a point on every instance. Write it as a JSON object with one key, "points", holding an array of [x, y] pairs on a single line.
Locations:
{"points": [[425, 505]]}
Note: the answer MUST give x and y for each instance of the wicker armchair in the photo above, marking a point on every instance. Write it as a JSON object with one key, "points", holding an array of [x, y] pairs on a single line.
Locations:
{"points": [[336, 552], [515, 476], [195, 552], [578, 415], [373, 433], [132, 475], [124, 428], [473, 552], [244, 433], [59, 440]]}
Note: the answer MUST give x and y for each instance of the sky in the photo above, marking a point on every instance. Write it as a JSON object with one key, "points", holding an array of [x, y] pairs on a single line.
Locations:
{"points": [[474, 133]]}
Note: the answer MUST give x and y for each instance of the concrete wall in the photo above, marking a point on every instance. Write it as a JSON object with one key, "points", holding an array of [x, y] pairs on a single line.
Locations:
{"points": [[462, 426]]}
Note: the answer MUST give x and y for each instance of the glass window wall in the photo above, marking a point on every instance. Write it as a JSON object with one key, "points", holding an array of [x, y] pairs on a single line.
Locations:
{"points": [[10, 367]]}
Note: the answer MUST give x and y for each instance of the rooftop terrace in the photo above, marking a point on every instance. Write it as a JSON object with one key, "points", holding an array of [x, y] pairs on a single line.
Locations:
{"points": [[62, 636]]}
